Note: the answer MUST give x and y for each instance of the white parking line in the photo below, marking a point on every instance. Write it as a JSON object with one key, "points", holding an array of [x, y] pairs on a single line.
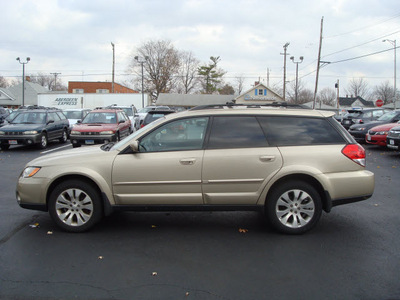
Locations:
{"points": [[55, 149]]}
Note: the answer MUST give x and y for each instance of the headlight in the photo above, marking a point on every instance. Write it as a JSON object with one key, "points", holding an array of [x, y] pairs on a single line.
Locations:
{"points": [[30, 171], [360, 128], [382, 133], [30, 132], [74, 132], [107, 132]]}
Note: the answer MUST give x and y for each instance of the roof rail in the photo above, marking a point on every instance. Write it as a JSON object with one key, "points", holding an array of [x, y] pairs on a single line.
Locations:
{"points": [[253, 105]]}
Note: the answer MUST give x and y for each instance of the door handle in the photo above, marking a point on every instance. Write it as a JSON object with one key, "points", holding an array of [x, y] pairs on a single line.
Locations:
{"points": [[187, 161], [267, 158]]}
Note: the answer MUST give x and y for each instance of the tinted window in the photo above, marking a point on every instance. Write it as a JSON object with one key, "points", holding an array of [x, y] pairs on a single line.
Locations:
{"points": [[186, 134], [236, 132], [288, 131], [53, 116]]}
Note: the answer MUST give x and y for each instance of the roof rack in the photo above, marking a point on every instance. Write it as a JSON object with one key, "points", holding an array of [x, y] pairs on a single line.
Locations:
{"points": [[234, 105]]}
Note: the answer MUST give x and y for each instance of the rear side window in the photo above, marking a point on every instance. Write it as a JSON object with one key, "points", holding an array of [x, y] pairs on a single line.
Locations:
{"points": [[236, 132], [298, 131]]}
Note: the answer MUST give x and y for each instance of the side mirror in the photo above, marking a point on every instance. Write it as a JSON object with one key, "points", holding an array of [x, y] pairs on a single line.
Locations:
{"points": [[134, 146], [79, 122]]}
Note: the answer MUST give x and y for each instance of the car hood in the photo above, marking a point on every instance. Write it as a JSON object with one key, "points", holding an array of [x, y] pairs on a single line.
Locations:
{"points": [[384, 127], [94, 127], [366, 125], [74, 156], [22, 127]]}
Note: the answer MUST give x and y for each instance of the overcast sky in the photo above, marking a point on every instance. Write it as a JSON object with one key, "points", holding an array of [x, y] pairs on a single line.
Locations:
{"points": [[73, 37]]}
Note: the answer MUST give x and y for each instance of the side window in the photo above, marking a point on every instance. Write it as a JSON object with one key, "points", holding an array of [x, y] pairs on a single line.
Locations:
{"points": [[53, 116], [229, 132], [179, 135], [367, 115], [299, 131], [61, 115]]}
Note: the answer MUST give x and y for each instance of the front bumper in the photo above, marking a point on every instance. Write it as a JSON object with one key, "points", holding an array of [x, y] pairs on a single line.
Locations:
{"points": [[20, 139], [393, 143], [92, 140]]}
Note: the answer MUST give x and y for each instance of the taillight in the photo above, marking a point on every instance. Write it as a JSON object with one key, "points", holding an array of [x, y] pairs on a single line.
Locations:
{"points": [[355, 152]]}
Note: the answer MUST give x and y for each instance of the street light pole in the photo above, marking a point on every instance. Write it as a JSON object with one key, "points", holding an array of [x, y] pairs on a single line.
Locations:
{"points": [[23, 77], [142, 60], [284, 69], [393, 42], [297, 74]]}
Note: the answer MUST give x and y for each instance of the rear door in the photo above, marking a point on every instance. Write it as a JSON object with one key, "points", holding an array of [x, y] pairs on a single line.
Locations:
{"points": [[237, 162]]}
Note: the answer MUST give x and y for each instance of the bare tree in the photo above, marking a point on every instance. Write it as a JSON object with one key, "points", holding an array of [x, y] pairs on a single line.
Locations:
{"points": [[327, 96], [239, 83], [187, 79], [304, 95], [3, 82], [160, 67], [384, 91], [358, 87]]}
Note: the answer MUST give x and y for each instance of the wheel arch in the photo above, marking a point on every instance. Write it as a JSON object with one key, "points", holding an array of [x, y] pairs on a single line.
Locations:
{"points": [[325, 198], [106, 207]]}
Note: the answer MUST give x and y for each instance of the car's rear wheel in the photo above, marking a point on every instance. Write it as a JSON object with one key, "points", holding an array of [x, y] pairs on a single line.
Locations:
{"points": [[294, 207], [75, 205], [64, 136], [43, 141]]}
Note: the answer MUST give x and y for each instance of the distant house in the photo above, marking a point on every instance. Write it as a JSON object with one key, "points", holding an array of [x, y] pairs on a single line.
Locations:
{"points": [[345, 102], [259, 94], [12, 97], [88, 87]]}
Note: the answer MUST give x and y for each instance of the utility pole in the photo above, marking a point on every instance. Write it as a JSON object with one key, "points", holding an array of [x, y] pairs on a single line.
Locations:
{"points": [[318, 63], [297, 74], [337, 96], [113, 68], [267, 77], [55, 80], [284, 69]]}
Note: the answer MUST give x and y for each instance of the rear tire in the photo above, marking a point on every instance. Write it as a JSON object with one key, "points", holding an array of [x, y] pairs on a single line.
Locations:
{"points": [[64, 137], [75, 206], [294, 207]]}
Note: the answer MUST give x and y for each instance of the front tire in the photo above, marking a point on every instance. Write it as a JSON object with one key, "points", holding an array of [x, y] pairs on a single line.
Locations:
{"points": [[43, 141], [294, 207], [75, 206]]}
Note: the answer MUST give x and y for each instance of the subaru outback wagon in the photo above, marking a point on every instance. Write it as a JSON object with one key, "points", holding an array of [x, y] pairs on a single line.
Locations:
{"points": [[291, 164]]}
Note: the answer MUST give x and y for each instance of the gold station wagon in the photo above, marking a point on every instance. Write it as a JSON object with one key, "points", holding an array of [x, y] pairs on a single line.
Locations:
{"points": [[289, 163]]}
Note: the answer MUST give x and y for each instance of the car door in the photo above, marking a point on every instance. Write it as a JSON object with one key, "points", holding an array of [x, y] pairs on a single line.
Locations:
{"points": [[237, 161], [53, 126], [167, 170]]}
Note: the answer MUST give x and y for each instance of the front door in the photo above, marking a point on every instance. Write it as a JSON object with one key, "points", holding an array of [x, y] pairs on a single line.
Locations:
{"points": [[167, 170]]}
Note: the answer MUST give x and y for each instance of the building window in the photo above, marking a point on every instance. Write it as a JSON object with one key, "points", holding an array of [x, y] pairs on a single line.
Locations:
{"points": [[102, 91], [78, 91]]}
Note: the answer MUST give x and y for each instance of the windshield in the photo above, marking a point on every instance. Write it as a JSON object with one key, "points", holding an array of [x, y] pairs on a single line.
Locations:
{"points": [[388, 116], [100, 118], [144, 110], [73, 114], [30, 118]]}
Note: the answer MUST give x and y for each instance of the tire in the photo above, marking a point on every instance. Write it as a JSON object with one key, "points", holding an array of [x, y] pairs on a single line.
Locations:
{"points": [[64, 137], [4, 147], [76, 145], [43, 141], [75, 206], [294, 207]]}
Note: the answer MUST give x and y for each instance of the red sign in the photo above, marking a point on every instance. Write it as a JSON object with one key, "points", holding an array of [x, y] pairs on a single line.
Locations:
{"points": [[379, 102]]}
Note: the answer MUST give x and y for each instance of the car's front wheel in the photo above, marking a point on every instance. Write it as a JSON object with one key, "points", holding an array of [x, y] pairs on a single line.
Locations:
{"points": [[75, 205], [43, 141], [294, 207]]}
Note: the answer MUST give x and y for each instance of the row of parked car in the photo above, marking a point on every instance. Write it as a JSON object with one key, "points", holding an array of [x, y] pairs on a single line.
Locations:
{"points": [[375, 126], [36, 125]]}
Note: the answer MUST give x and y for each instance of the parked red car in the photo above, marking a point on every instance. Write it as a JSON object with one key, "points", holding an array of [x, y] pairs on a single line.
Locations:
{"points": [[101, 126], [377, 135]]}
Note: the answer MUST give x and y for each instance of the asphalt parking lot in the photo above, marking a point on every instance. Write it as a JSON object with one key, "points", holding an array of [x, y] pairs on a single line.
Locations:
{"points": [[352, 254]]}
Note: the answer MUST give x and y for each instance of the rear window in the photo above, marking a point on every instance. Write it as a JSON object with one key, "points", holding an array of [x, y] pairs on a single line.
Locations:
{"points": [[299, 131]]}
